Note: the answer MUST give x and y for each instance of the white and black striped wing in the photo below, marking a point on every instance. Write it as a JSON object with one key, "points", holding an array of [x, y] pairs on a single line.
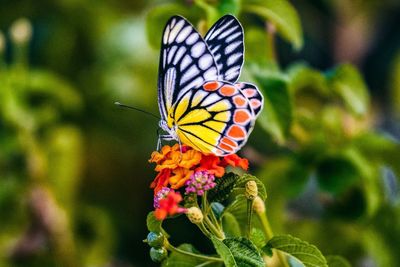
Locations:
{"points": [[225, 40], [185, 62]]}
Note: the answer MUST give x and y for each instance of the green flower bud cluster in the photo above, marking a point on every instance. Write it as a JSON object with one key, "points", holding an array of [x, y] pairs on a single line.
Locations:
{"points": [[157, 251]]}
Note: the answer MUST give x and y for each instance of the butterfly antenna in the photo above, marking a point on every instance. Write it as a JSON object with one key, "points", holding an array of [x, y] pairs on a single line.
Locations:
{"points": [[137, 109]]}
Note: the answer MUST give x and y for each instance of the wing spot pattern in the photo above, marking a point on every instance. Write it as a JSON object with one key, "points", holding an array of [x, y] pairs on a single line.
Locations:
{"points": [[198, 49], [211, 86], [193, 84], [236, 132], [210, 73], [181, 51], [239, 101], [175, 31], [226, 147], [183, 34], [229, 49], [233, 58], [255, 103], [229, 142], [186, 62], [228, 90], [192, 38], [226, 33], [241, 116], [249, 92], [233, 37], [205, 61], [171, 53]]}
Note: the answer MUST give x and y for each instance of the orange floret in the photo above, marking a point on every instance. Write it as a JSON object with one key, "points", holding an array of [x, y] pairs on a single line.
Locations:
{"points": [[190, 158], [211, 163], [236, 161], [179, 177], [161, 180]]}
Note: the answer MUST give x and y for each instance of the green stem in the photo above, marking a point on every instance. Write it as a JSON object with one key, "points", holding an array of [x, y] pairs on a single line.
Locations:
{"points": [[214, 220], [249, 216], [266, 226], [269, 234], [212, 228], [204, 229], [187, 253], [204, 204], [204, 264], [210, 225]]}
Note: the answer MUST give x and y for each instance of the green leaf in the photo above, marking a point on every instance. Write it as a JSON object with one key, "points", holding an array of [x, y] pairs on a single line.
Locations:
{"points": [[240, 183], [211, 11], [298, 173], [153, 225], [257, 237], [54, 86], [337, 261], [224, 252], [244, 252], [238, 208], [336, 174], [256, 46], [283, 15], [181, 260], [380, 148], [347, 82], [230, 225], [307, 254], [302, 77], [223, 188], [229, 7], [158, 17], [276, 117]]}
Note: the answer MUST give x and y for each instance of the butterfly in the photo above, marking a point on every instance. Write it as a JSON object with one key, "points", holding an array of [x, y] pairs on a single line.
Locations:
{"points": [[201, 103]]}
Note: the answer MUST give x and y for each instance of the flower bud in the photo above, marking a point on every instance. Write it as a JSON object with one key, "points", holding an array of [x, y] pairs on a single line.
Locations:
{"points": [[258, 205], [158, 254], [21, 31], [155, 240], [2, 43], [194, 215], [251, 190]]}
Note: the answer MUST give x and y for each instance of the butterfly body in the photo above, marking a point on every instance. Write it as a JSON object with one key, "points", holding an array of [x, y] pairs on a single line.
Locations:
{"points": [[201, 103]]}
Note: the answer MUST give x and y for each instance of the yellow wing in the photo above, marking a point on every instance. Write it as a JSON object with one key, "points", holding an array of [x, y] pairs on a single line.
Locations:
{"points": [[216, 118]]}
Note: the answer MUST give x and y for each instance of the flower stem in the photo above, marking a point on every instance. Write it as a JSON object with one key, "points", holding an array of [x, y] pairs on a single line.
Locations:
{"points": [[204, 204], [249, 216], [269, 234], [212, 228], [214, 220], [204, 229], [204, 264], [190, 254], [210, 225]]}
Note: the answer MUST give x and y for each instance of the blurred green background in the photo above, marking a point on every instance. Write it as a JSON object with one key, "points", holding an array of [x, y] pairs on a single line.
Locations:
{"points": [[74, 176]]}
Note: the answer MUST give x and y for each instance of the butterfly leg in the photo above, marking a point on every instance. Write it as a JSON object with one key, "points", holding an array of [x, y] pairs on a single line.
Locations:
{"points": [[159, 143], [180, 148], [163, 137]]}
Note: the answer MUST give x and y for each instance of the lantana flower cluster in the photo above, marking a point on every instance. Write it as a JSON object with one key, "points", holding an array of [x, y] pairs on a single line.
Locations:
{"points": [[184, 167]]}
